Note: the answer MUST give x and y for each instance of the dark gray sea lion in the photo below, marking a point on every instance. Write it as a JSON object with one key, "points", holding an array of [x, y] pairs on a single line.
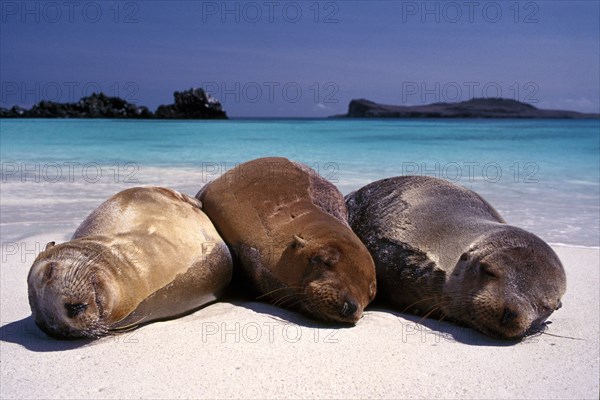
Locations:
{"points": [[287, 228], [442, 251], [145, 254]]}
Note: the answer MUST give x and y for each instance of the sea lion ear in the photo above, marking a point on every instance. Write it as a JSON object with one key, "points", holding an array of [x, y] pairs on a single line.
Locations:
{"points": [[49, 245], [467, 260], [298, 242], [559, 305]]}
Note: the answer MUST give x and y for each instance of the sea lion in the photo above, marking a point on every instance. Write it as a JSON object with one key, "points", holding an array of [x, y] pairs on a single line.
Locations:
{"points": [[287, 228], [145, 254], [441, 250]]}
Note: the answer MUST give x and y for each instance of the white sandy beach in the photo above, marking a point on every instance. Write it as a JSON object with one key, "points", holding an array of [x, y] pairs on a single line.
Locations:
{"points": [[253, 350]]}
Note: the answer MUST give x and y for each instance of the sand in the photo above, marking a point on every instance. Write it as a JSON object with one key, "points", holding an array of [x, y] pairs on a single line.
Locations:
{"points": [[245, 349]]}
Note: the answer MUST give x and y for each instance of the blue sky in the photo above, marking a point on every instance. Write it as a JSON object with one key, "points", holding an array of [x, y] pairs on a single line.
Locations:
{"points": [[302, 58]]}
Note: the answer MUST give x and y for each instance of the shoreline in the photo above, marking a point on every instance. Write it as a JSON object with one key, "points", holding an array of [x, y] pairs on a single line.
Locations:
{"points": [[564, 215], [573, 246], [319, 119]]}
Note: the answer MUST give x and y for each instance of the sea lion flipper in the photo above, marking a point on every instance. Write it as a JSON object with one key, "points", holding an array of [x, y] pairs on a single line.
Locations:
{"points": [[174, 300]]}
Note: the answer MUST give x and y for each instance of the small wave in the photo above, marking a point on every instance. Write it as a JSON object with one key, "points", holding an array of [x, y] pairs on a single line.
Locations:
{"points": [[576, 246], [582, 182]]}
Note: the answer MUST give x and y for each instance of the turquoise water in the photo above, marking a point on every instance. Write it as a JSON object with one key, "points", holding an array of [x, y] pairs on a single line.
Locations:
{"points": [[542, 175]]}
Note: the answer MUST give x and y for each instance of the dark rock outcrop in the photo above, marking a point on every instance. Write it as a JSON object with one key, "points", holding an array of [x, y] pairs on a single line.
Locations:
{"points": [[13, 112], [474, 108], [97, 105], [191, 104]]}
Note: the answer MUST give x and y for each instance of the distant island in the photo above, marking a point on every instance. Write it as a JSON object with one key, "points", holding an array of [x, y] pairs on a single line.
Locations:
{"points": [[474, 108], [189, 104]]}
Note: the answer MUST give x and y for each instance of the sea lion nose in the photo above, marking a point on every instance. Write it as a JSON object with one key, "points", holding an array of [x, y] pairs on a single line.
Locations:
{"points": [[508, 316], [348, 308], [74, 310]]}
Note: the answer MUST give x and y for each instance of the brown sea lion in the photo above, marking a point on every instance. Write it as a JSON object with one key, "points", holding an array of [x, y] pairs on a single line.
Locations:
{"points": [[287, 227], [145, 254], [441, 250]]}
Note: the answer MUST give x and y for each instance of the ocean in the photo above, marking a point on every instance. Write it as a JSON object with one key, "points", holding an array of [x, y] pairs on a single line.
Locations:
{"points": [[541, 175]]}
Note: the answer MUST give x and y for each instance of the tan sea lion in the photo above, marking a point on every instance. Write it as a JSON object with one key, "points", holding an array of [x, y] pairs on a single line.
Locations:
{"points": [[145, 254], [287, 228], [441, 250]]}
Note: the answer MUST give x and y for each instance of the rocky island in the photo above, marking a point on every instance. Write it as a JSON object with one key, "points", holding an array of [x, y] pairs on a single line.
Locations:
{"points": [[194, 103], [191, 104], [474, 108]]}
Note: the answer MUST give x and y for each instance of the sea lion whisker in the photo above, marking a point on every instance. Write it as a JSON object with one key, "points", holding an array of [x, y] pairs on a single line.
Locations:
{"points": [[278, 302], [281, 295], [295, 305], [561, 336], [126, 328], [432, 309], [277, 290], [443, 316], [312, 308], [417, 302], [284, 298]]}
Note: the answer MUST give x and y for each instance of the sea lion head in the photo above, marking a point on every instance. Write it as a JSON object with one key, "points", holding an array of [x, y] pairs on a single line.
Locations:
{"points": [[335, 275], [506, 285], [68, 291]]}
